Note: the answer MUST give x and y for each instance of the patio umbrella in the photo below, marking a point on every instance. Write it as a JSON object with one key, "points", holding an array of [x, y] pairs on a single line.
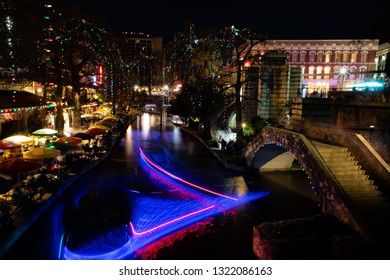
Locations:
{"points": [[115, 117], [45, 132], [111, 120], [71, 140], [103, 127], [18, 165], [41, 153], [86, 116], [21, 139], [9, 145], [84, 136], [62, 146], [95, 131], [105, 123]]}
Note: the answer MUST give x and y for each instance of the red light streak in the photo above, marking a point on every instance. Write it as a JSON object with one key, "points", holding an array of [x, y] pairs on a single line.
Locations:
{"points": [[169, 222], [182, 180]]}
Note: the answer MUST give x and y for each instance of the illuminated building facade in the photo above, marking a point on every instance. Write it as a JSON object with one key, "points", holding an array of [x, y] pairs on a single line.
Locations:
{"points": [[382, 58], [327, 65], [142, 53]]}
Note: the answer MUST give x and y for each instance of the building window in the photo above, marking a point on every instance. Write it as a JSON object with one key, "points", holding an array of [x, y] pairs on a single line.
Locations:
{"points": [[352, 71], [353, 57], [327, 57], [311, 72], [319, 72], [345, 57], [320, 56], [337, 57], [294, 56], [303, 57], [362, 75], [363, 56], [327, 72], [312, 56], [336, 72]]}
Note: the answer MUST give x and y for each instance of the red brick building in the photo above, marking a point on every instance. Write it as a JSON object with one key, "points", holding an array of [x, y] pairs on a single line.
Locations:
{"points": [[327, 65]]}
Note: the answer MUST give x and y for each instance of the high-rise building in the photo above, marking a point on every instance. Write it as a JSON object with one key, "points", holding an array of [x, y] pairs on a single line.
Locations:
{"points": [[143, 55]]}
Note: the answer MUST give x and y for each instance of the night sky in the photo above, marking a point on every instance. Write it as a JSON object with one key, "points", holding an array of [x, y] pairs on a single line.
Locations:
{"points": [[299, 19]]}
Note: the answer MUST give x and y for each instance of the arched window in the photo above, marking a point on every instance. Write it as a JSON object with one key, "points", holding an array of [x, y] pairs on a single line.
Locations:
{"points": [[319, 72], [312, 56], [311, 72], [294, 56], [362, 75], [352, 72], [353, 57], [303, 57], [327, 57], [327, 72], [320, 56], [363, 57], [336, 72], [345, 56], [337, 56]]}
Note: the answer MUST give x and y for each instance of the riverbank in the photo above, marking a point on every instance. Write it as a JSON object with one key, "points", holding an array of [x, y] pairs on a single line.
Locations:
{"points": [[23, 215], [317, 237]]}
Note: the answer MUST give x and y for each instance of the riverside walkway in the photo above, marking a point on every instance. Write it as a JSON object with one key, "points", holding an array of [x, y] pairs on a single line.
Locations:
{"points": [[21, 216]]}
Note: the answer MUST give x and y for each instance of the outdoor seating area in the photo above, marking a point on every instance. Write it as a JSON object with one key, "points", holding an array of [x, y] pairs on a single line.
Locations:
{"points": [[30, 175]]}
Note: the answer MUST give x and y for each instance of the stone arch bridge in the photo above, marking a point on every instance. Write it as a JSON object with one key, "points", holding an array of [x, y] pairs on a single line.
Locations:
{"points": [[332, 197]]}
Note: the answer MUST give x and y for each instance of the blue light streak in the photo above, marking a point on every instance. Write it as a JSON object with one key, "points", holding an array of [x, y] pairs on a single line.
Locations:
{"points": [[181, 204]]}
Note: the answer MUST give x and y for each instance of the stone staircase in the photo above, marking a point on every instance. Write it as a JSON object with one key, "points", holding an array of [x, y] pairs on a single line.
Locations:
{"points": [[361, 190]]}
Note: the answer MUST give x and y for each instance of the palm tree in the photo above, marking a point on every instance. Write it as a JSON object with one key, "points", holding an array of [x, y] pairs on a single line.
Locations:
{"points": [[206, 59]]}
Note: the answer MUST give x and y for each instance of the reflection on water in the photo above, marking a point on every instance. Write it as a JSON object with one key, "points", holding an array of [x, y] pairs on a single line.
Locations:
{"points": [[177, 221]]}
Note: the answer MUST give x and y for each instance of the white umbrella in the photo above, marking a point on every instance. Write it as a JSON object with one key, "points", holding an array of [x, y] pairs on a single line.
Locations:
{"points": [[21, 139], [45, 132]]}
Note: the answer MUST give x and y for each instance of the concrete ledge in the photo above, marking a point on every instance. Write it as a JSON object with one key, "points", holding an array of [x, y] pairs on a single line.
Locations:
{"points": [[317, 237]]}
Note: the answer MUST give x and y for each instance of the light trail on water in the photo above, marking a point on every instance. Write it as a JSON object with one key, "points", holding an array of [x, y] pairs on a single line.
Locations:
{"points": [[155, 216]]}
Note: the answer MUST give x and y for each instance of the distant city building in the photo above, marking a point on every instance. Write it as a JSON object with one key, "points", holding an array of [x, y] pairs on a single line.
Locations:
{"points": [[327, 65], [143, 55], [381, 59], [135, 44]]}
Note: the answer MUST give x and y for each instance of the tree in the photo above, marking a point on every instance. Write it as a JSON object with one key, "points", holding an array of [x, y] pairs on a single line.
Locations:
{"points": [[236, 47]]}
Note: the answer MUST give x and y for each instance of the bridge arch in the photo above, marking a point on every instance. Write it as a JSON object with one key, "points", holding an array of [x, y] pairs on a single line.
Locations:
{"points": [[272, 156], [331, 196]]}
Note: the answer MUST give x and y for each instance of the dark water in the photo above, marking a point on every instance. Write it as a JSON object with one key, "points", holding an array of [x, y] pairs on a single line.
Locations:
{"points": [[227, 234]]}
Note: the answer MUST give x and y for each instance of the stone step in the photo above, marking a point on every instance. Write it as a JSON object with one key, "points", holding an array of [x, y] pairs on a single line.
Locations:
{"points": [[347, 176], [334, 152], [350, 181], [327, 147], [359, 193], [351, 172], [360, 187], [345, 166], [335, 163], [337, 158]]}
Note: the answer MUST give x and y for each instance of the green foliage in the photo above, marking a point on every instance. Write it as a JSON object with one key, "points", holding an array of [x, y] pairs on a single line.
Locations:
{"points": [[254, 126], [198, 100], [212, 143]]}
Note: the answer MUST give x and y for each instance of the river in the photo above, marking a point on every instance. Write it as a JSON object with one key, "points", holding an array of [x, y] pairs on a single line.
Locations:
{"points": [[181, 203]]}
